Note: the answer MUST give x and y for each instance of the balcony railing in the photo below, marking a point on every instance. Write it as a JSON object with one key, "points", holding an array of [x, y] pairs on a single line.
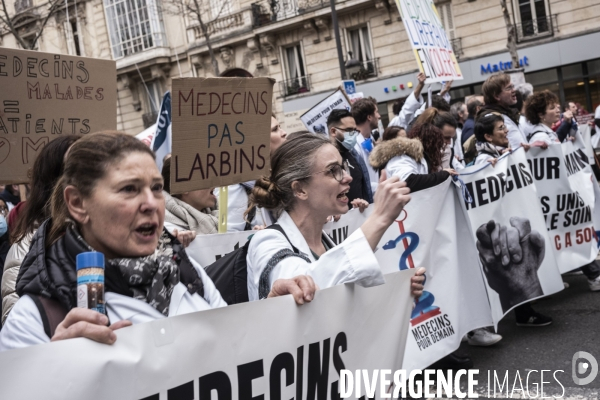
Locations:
{"points": [[283, 9], [368, 69], [536, 28], [457, 47], [294, 86], [228, 24]]}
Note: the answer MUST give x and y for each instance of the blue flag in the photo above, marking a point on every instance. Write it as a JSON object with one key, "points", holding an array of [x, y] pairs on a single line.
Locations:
{"points": [[161, 143]]}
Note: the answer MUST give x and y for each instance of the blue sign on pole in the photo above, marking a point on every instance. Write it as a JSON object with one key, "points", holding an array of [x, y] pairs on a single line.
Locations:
{"points": [[349, 86]]}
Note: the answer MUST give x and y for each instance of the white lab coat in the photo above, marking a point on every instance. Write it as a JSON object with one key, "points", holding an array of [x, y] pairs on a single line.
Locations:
{"points": [[404, 166], [373, 175], [525, 126], [237, 204], [515, 135], [351, 261], [407, 114], [24, 326], [482, 158], [458, 149], [544, 134]]}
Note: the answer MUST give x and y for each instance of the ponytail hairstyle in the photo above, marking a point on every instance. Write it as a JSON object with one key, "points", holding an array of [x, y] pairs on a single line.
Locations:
{"points": [[47, 169], [292, 161], [86, 164], [430, 136]]}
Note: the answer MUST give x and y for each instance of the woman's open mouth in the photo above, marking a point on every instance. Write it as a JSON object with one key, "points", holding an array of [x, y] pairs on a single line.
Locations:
{"points": [[147, 230], [343, 196]]}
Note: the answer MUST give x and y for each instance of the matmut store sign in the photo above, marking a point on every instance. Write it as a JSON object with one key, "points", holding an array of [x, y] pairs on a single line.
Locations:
{"points": [[502, 66]]}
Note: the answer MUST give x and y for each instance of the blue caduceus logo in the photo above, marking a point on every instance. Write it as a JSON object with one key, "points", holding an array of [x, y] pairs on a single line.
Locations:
{"points": [[406, 260], [424, 308]]}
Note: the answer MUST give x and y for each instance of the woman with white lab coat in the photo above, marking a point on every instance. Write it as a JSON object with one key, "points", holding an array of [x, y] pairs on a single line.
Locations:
{"points": [[307, 184]]}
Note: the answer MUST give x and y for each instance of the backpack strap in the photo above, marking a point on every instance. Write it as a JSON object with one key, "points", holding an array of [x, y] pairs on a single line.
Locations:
{"points": [[533, 133], [51, 311], [264, 286]]}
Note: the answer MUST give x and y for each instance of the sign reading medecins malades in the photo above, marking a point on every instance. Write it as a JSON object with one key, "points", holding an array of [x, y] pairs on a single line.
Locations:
{"points": [[44, 96], [433, 51], [221, 131]]}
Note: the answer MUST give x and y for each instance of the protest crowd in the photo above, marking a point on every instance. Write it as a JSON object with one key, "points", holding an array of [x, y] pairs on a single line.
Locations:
{"points": [[103, 192]]}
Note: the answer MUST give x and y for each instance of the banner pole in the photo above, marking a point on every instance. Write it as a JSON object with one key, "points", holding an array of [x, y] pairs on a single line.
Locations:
{"points": [[223, 192]]}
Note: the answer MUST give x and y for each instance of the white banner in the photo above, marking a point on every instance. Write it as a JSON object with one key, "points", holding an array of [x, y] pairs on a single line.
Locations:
{"points": [[206, 249], [514, 247], [432, 232], [271, 347], [432, 49], [315, 119], [563, 180]]}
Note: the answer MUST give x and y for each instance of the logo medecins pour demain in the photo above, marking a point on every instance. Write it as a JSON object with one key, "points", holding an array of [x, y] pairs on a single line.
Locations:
{"points": [[428, 324]]}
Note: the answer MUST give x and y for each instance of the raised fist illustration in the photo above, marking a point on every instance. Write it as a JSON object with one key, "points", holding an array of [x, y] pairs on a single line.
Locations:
{"points": [[511, 257]]}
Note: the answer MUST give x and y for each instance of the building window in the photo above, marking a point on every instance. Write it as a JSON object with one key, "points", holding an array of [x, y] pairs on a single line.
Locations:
{"points": [[535, 18], [153, 101], [358, 41], [134, 26], [220, 8], [295, 71], [445, 12], [74, 39]]}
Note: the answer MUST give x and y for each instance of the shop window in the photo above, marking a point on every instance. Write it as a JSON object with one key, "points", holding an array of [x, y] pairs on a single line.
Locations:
{"points": [[574, 84], [534, 17], [295, 71], [134, 26], [593, 68]]}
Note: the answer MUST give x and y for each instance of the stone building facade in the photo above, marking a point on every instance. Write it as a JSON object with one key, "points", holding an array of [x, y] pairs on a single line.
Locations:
{"points": [[292, 41]]}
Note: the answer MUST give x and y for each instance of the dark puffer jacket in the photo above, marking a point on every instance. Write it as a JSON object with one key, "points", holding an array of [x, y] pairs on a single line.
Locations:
{"points": [[51, 272]]}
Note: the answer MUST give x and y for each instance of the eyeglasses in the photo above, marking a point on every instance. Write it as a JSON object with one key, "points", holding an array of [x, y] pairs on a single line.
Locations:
{"points": [[351, 131], [4, 210], [337, 171], [509, 88]]}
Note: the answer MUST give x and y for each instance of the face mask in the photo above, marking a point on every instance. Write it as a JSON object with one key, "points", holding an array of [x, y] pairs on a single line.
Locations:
{"points": [[349, 140], [3, 225]]}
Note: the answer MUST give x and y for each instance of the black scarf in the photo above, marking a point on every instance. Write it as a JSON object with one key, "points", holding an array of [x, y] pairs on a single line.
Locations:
{"points": [[510, 112]]}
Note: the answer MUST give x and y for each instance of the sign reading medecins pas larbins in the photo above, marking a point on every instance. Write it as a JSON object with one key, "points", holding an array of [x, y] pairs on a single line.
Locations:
{"points": [[429, 41]]}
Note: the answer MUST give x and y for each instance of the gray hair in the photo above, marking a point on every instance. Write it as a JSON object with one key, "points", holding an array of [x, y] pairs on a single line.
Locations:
{"points": [[526, 90]]}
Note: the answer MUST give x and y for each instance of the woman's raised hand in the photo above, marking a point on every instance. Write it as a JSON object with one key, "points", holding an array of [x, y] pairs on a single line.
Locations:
{"points": [[81, 322], [184, 237], [391, 197]]}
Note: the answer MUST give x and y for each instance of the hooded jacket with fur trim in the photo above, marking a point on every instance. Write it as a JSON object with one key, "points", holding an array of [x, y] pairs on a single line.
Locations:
{"points": [[404, 158]]}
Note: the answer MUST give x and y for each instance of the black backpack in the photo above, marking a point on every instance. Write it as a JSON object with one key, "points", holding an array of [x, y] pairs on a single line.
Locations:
{"points": [[230, 272]]}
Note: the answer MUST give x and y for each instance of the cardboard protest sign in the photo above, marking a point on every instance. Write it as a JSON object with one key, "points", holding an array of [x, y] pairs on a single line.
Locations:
{"points": [[431, 232], [563, 179], [433, 51], [271, 349], [221, 131], [516, 254], [47, 95], [315, 119]]}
